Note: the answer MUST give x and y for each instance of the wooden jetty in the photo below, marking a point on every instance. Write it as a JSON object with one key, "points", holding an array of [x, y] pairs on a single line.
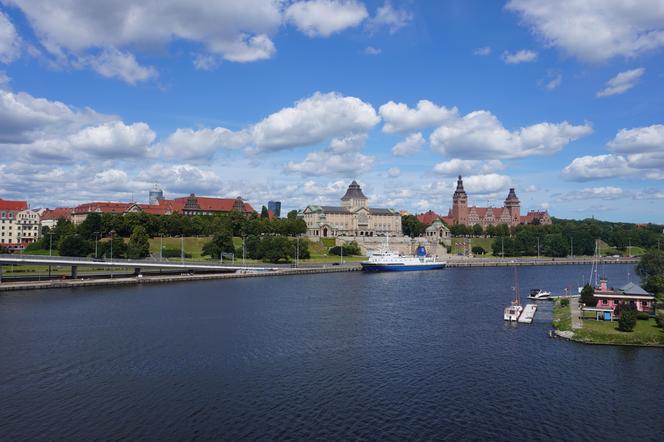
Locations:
{"points": [[528, 314]]}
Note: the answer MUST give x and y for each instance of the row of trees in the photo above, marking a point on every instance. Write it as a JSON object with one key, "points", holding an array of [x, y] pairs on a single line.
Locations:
{"points": [[555, 240], [93, 236]]}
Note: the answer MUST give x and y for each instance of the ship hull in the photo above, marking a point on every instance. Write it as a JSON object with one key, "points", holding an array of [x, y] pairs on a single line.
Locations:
{"points": [[371, 267]]}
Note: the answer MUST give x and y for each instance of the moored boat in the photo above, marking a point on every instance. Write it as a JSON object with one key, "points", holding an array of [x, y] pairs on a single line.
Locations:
{"points": [[514, 310], [389, 261], [539, 295]]}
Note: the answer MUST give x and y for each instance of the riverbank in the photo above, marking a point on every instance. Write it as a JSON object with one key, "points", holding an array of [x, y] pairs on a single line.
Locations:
{"points": [[568, 325], [162, 279]]}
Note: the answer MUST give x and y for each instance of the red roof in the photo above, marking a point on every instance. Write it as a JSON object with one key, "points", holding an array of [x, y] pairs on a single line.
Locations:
{"points": [[13, 205], [207, 204], [57, 213], [428, 217], [533, 215], [482, 211], [109, 207]]}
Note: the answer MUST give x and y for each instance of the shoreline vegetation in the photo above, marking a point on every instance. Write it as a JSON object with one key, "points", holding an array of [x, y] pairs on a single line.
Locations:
{"points": [[646, 333]]}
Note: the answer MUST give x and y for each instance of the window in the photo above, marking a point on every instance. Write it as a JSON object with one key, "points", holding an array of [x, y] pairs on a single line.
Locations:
{"points": [[605, 301], [644, 303]]}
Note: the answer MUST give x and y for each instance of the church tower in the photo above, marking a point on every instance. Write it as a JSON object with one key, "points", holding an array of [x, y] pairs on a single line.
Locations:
{"points": [[460, 204], [513, 206]]}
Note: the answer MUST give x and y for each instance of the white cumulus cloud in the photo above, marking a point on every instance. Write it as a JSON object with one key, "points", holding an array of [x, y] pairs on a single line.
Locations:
{"points": [[595, 30], [468, 167], [399, 117], [123, 65], [621, 83], [411, 145], [322, 18], [522, 56], [391, 18], [10, 43], [326, 163], [479, 134]]}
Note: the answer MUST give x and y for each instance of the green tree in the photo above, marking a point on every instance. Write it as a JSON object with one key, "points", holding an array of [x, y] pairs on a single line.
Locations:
{"points": [[74, 245], [478, 230], [264, 212], [139, 243], [587, 296], [119, 249], [411, 226], [90, 225], [651, 264], [292, 215], [221, 242], [275, 248], [627, 320], [478, 250]]}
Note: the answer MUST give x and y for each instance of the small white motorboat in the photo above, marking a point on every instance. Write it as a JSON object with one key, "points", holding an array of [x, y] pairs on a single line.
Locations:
{"points": [[539, 295]]}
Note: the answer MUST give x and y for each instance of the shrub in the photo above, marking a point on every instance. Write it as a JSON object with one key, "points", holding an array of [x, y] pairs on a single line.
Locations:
{"points": [[564, 302], [478, 250], [627, 320], [659, 319], [642, 316]]}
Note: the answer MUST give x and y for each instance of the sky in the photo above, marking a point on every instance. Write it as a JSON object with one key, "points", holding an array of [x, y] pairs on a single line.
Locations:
{"points": [[292, 100]]}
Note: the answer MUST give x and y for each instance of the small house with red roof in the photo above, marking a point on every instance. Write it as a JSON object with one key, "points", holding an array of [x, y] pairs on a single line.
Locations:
{"points": [[611, 301]]}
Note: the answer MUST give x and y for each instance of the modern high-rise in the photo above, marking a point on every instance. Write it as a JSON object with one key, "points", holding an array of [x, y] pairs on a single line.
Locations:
{"points": [[275, 208]]}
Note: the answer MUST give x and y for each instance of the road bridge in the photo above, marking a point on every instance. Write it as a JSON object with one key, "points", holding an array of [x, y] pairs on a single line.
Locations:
{"points": [[136, 264]]}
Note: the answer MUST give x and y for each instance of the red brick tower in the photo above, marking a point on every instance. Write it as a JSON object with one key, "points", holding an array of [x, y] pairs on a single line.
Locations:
{"points": [[513, 205], [460, 204]]}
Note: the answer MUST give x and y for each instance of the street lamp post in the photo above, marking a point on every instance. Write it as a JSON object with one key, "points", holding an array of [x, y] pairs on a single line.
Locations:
{"points": [[244, 252], [538, 252], [182, 249], [97, 235], [297, 251], [50, 251], [112, 232]]}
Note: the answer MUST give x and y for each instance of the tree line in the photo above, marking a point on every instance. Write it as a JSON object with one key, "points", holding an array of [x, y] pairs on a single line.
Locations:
{"points": [[103, 235], [556, 239]]}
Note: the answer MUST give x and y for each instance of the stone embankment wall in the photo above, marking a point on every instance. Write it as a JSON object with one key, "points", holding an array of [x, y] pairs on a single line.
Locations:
{"points": [[402, 244]]}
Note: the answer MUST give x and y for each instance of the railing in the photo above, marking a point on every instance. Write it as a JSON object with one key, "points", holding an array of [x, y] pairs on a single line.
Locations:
{"points": [[101, 261]]}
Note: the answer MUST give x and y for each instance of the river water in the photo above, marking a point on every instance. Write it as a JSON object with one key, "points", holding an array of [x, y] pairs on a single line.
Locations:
{"points": [[421, 355]]}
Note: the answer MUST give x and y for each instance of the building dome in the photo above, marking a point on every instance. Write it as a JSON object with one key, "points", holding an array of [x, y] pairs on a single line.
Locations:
{"points": [[354, 192]]}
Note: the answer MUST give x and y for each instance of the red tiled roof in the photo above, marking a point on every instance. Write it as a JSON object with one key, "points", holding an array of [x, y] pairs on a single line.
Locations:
{"points": [[533, 215], [57, 213], [428, 217], [103, 207], [13, 205], [207, 204]]}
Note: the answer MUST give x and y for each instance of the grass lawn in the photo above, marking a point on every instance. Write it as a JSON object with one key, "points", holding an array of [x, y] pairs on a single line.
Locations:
{"points": [[192, 245], [485, 243], [606, 332], [562, 317]]}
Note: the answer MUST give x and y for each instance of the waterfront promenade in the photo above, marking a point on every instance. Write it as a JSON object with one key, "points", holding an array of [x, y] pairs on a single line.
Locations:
{"points": [[215, 271]]}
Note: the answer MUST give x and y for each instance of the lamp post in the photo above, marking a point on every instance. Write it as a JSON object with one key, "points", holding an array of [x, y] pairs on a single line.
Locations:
{"points": [[50, 251], [538, 252], [182, 249], [297, 250], [244, 252], [112, 232], [97, 235]]}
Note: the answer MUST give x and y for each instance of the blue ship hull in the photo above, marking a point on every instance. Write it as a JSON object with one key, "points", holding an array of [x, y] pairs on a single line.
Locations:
{"points": [[367, 267]]}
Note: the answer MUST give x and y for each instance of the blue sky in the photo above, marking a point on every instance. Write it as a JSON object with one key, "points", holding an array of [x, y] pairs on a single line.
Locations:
{"points": [[291, 100]]}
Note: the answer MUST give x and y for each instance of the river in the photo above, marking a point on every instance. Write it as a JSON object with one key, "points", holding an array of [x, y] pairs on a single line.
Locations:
{"points": [[420, 355]]}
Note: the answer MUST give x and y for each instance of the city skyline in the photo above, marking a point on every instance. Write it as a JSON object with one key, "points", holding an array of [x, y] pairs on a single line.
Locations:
{"points": [[291, 101]]}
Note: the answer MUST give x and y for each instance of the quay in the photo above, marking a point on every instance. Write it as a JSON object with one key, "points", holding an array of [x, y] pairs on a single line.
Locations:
{"points": [[528, 314], [160, 279], [507, 262]]}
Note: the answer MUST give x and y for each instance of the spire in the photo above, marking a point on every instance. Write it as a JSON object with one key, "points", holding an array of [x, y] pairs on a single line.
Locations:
{"points": [[512, 198]]}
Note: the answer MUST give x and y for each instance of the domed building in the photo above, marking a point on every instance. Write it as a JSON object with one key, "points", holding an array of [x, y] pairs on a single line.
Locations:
{"points": [[353, 217]]}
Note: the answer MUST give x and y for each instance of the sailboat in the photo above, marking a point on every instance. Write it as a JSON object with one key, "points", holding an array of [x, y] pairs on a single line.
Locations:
{"points": [[594, 269], [513, 311]]}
